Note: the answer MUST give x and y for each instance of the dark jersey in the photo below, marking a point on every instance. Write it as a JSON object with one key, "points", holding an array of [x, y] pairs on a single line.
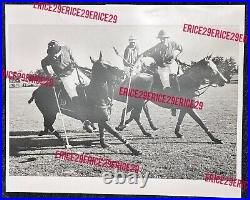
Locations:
{"points": [[163, 53], [61, 64]]}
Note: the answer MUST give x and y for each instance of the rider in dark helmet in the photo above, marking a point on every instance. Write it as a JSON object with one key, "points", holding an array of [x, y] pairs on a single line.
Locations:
{"points": [[165, 54], [62, 62]]}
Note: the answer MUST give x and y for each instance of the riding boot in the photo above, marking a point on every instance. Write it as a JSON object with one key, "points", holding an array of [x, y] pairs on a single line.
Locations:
{"points": [[77, 104], [174, 83]]}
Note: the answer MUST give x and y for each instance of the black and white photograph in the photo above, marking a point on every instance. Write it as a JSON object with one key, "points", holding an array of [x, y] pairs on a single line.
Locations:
{"points": [[124, 99]]}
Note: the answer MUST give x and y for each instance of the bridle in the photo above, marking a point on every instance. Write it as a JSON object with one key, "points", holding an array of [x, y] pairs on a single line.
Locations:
{"points": [[204, 88]]}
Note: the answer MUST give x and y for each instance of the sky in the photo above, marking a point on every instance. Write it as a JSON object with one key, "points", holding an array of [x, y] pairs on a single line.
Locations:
{"points": [[28, 36]]}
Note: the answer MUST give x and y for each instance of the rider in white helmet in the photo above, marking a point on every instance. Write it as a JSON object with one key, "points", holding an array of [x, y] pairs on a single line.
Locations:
{"points": [[131, 53], [165, 54]]}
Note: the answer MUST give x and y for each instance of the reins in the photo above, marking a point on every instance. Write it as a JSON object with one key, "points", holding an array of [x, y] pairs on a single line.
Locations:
{"points": [[205, 87]]}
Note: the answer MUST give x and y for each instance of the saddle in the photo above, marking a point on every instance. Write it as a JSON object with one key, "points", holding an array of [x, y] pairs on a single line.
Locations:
{"points": [[98, 103], [174, 88], [64, 99]]}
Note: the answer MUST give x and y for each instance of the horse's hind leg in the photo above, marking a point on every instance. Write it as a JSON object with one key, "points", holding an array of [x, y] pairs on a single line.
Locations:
{"points": [[130, 119], [179, 122], [135, 114], [121, 126], [48, 125], [119, 137], [146, 111], [195, 116], [122, 118]]}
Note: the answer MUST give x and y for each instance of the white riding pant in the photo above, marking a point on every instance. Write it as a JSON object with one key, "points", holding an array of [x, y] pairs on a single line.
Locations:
{"points": [[164, 72], [71, 81]]}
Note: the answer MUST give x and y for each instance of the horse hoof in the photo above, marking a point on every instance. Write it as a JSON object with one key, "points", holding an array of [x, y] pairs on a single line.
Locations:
{"points": [[154, 128], [136, 152], [117, 128], [179, 136], [104, 145], [148, 135], [41, 133], [217, 141], [57, 135], [120, 127]]}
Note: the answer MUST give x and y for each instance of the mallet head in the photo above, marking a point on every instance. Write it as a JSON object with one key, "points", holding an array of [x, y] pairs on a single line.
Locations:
{"points": [[68, 146]]}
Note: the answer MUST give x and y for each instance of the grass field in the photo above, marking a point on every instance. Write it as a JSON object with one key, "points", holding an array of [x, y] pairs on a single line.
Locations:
{"points": [[164, 156]]}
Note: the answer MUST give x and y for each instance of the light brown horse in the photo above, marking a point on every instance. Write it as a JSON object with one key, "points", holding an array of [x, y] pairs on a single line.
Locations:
{"points": [[189, 83]]}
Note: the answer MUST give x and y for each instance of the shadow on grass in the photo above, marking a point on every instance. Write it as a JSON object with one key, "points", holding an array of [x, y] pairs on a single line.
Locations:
{"points": [[24, 143], [19, 146]]}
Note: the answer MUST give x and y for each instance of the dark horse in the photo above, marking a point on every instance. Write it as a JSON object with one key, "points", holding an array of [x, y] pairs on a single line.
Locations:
{"points": [[189, 82], [96, 104]]}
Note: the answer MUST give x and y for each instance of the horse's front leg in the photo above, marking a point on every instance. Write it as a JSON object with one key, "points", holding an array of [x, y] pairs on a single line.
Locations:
{"points": [[102, 140], [49, 120], [179, 122], [122, 126], [136, 114], [119, 137], [146, 111], [195, 116]]}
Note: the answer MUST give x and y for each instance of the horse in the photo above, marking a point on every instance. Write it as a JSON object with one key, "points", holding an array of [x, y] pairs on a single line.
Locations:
{"points": [[190, 82], [96, 103]]}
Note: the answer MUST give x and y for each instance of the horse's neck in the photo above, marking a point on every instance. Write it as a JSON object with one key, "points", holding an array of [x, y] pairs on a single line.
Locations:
{"points": [[97, 82], [193, 79]]}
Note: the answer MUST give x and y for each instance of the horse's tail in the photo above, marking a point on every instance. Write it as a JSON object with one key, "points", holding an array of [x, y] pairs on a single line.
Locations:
{"points": [[32, 98]]}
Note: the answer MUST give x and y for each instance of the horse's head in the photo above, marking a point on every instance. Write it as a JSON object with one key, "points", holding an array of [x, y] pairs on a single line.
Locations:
{"points": [[103, 71], [148, 65], [210, 71]]}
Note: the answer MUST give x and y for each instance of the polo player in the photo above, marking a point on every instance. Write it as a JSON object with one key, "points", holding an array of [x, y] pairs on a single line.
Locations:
{"points": [[62, 62], [131, 53], [165, 54]]}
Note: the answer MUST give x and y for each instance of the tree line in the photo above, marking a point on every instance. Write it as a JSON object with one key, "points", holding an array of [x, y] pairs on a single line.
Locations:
{"points": [[227, 66]]}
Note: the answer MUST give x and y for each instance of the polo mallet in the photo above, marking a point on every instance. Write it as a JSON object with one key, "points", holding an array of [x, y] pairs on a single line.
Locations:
{"points": [[129, 83], [67, 146]]}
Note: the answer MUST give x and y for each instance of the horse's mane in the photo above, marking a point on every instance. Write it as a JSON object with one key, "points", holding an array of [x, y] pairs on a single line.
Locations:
{"points": [[185, 67], [86, 71]]}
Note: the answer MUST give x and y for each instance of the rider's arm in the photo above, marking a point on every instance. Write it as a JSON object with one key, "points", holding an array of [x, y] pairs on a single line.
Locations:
{"points": [[177, 49], [176, 53], [71, 56], [44, 64], [125, 61], [138, 56], [137, 52]]}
